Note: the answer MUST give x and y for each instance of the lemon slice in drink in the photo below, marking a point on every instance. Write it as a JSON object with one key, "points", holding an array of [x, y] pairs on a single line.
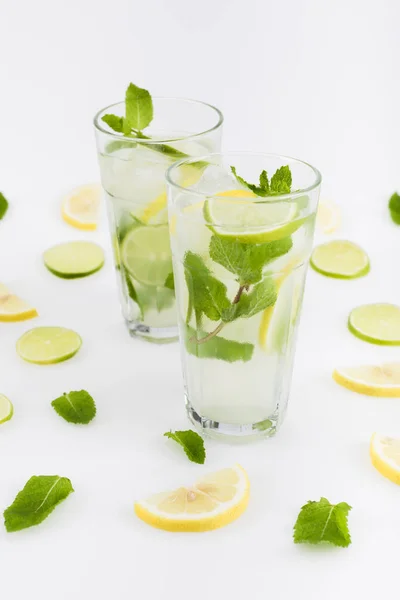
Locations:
{"points": [[74, 259], [340, 259], [47, 345], [155, 213], [13, 308], [6, 409], [328, 216], [385, 456], [251, 222], [214, 501], [146, 254], [373, 380], [81, 207], [376, 323]]}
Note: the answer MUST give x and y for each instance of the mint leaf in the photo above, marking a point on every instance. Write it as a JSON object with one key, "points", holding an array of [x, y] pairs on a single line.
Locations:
{"points": [[116, 123], [217, 347], [3, 206], [169, 282], [75, 407], [207, 295], [281, 182], [192, 444], [246, 261], [323, 522], [261, 296], [261, 190], [163, 297], [394, 208], [36, 501], [138, 107]]}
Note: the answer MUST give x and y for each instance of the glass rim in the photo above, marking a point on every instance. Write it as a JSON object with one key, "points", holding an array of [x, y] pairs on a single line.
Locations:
{"points": [[206, 158], [118, 136]]}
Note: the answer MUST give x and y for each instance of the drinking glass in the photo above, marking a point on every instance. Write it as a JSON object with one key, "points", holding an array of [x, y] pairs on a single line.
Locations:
{"points": [[240, 255], [133, 178]]}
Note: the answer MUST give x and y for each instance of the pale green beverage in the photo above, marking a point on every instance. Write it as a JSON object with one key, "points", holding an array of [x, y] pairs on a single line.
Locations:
{"points": [[240, 261], [133, 179]]}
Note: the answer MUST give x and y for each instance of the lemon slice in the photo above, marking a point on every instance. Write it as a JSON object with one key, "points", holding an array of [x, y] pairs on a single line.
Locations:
{"points": [[251, 222], [340, 259], [214, 501], [376, 323], [146, 254], [74, 259], [47, 345], [385, 456], [373, 380], [277, 319], [155, 213], [6, 409], [13, 308], [328, 216], [82, 206]]}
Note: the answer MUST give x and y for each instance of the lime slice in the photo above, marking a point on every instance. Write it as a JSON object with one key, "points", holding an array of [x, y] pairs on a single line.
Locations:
{"points": [[251, 222], [6, 409], [74, 259], [146, 254], [47, 345], [340, 259], [376, 323]]}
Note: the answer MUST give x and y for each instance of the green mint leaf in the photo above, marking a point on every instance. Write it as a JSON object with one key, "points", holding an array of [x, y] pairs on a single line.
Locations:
{"points": [[138, 107], [261, 297], [75, 407], [323, 522], [116, 123], [169, 282], [281, 182], [246, 261], [192, 444], [207, 295], [36, 501], [132, 291], [394, 208], [3, 206], [261, 190], [217, 347]]}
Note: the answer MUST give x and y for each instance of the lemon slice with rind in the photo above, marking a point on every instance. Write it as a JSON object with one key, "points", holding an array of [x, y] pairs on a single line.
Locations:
{"points": [[13, 308], [329, 216], [214, 501], [373, 380], [81, 207], [385, 456], [251, 222]]}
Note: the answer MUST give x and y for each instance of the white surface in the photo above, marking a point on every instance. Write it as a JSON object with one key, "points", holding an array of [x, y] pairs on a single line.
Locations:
{"points": [[310, 78]]}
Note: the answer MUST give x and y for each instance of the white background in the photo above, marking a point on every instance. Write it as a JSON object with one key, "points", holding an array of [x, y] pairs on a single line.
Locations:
{"points": [[311, 78]]}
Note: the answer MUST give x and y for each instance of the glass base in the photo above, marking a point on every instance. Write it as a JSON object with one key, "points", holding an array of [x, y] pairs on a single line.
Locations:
{"points": [[232, 432], [156, 335]]}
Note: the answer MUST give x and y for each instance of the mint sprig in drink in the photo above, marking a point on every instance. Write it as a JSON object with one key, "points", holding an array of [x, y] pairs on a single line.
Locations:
{"points": [[240, 253], [137, 141]]}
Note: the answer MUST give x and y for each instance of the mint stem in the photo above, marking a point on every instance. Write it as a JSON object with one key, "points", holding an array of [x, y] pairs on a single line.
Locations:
{"points": [[222, 324]]}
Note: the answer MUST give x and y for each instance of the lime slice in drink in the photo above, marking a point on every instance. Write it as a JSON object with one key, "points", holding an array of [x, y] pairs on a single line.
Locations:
{"points": [[251, 222], [6, 409], [47, 345], [376, 323], [146, 254], [74, 259], [340, 259]]}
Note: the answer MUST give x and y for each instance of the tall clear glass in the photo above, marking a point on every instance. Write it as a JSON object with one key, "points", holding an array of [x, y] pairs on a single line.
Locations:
{"points": [[240, 261], [133, 178]]}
